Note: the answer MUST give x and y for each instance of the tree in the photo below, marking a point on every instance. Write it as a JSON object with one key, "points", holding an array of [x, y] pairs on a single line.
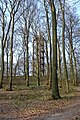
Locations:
{"points": [[47, 61], [28, 19], [71, 28], [49, 39], [5, 32], [55, 88], [59, 63], [62, 6], [7, 54], [14, 9]]}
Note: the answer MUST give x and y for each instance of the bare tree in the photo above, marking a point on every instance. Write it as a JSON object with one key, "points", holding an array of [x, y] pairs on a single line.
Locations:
{"points": [[62, 6], [55, 88]]}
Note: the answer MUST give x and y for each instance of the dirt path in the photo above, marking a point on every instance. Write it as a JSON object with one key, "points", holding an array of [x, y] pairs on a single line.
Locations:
{"points": [[71, 112], [68, 111]]}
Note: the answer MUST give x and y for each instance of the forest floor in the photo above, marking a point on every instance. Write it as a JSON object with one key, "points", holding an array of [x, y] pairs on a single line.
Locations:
{"points": [[35, 103]]}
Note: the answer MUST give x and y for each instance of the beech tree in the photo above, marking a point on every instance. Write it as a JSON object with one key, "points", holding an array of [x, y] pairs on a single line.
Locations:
{"points": [[71, 27], [62, 6], [3, 9], [55, 88], [49, 39]]}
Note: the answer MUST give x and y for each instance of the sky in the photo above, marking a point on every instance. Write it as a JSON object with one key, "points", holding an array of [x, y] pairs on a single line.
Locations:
{"points": [[78, 8], [75, 3], [72, 2]]}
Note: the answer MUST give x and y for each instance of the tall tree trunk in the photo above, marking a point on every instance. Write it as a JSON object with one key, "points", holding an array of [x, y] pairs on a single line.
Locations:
{"points": [[59, 64], [2, 67], [47, 61], [63, 46], [75, 72], [24, 57], [11, 53], [71, 56], [49, 38], [38, 60], [33, 66], [27, 27], [55, 88], [7, 57], [50, 64], [41, 55], [2, 46], [27, 62], [24, 67]]}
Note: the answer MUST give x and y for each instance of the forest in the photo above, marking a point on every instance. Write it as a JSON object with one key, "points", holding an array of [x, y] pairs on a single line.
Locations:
{"points": [[39, 59]]}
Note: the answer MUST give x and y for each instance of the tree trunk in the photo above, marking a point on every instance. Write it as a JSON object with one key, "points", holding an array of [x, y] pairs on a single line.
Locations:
{"points": [[38, 61], [63, 46], [59, 64], [11, 53], [33, 61], [7, 57], [55, 89], [2, 67], [47, 61], [27, 63], [75, 72], [71, 56], [49, 39], [41, 39], [24, 57], [24, 67], [2, 46]]}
